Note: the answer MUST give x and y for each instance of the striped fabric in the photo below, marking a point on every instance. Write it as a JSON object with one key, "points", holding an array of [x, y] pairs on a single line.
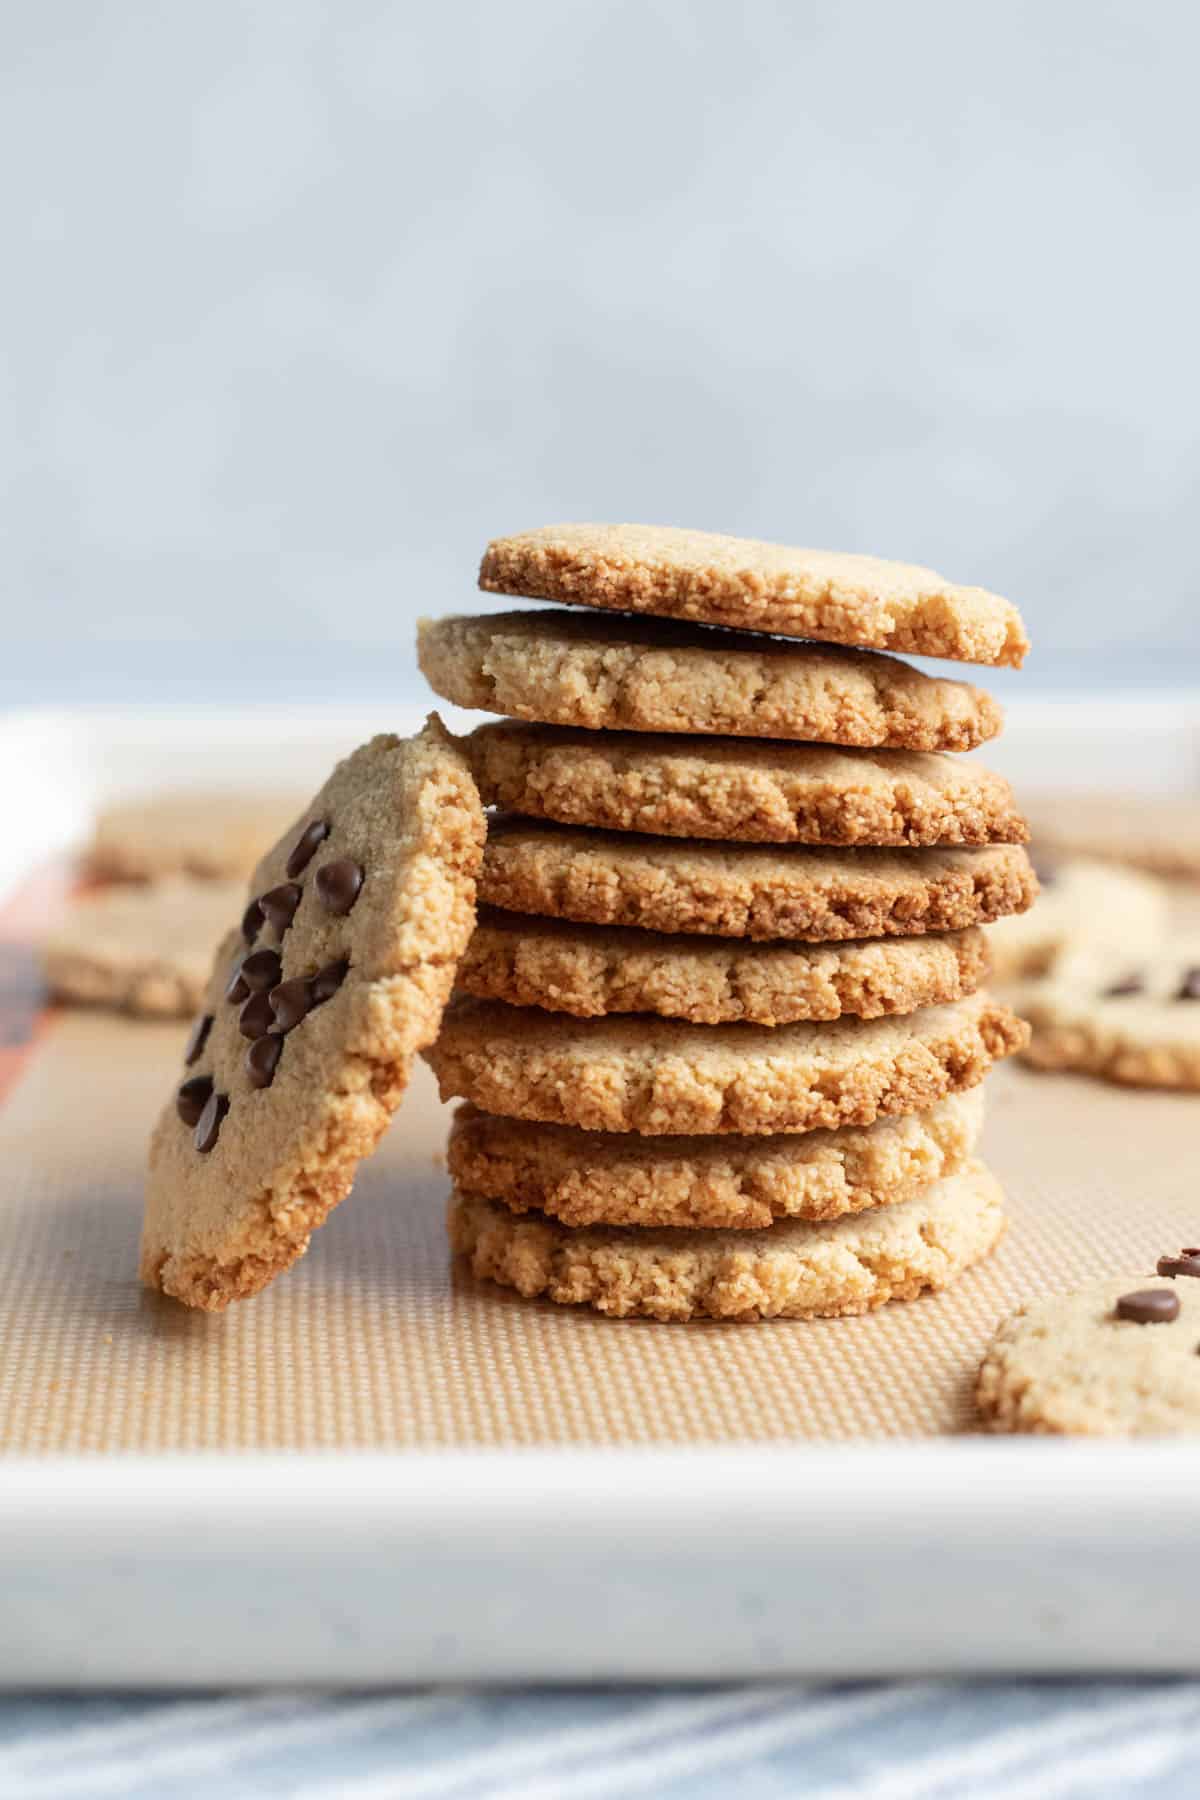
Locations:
{"points": [[915, 1741]]}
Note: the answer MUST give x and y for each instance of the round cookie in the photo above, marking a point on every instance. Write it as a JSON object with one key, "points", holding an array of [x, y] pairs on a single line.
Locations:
{"points": [[144, 950], [1079, 903], [742, 582], [1156, 832], [208, 835], [1118, 1358], [736, 890], [315, 1007], [606, 674], [641, 1074], [721, 1183], [730, 788], [1125, 1015], [591, 971], [793, 1270]]}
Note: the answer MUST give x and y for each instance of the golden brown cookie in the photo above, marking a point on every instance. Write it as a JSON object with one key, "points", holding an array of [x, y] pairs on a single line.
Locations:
{"points": [[730, 788], [1130, 1014], [144, 950], [562, 668], [793, 1270], [738, 890], [315, 1007], [722, 1183], [643, 1074], [1156, 832], [1080, 903], [208, 835], [768, 587], [591, 971]]}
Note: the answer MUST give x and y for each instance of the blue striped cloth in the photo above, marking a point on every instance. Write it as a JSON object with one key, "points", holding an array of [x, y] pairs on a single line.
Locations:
{"points": [[860, 1742]]}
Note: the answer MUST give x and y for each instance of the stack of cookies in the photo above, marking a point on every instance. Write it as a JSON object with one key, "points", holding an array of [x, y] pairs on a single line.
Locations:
{"points": [[721, 1027]]}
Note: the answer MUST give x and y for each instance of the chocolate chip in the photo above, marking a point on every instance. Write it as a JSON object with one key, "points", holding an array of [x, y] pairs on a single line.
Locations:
{"points": [[279, 904], [256, 1017], [1189, 987], [1128, 984], [306, 843], [192, 1098], [1149, 1306], [236, 989], [290, 1001], [252, 921], [1186, 1263], [198, 1038], [262, 1058], [262, 970], [338, 884], [208, 1129], [327, 981]]}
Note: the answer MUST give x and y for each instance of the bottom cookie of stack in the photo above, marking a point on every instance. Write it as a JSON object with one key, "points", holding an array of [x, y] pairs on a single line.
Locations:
{"points": [[794, 1269]]}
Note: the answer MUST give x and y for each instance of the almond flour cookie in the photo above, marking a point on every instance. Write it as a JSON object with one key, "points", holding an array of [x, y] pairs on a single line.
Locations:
{"points": [[561, 668], [338, 974], [768, 587], [1079, 903], [212, 835], [754, 793], [793, 1270], [591, 971], [144, 950], [736, 890], [1119, 1358], [641, 1074], [723, 1183], [1156, 832], [1128, 1016]]}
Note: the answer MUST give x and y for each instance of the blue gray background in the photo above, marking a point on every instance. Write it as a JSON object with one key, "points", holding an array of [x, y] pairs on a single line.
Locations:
{"points": [[304, 301]]}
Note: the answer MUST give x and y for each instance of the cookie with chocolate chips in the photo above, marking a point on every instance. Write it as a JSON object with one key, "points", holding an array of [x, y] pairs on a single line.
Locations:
{"points": [[1119, 1358], [336, 975], [1080, 903], [1121, 1014]]}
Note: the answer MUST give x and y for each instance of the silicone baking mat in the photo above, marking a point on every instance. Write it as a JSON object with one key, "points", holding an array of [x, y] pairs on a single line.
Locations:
{"points": [[374, 1341]]}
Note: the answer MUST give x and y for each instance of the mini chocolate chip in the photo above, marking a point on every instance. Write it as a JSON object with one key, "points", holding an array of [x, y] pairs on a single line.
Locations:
{"points": [[279, 904], [1128, 984], [290, 1001], [261, 1060], [262, 970], [256, 1017], [339, 884], [1149, 1306], [237, 988], [208, 1129], [306, 843], [1186, 1263], [1189, 987], [327, 981], [252, 921], [1190, 1250], [192, 1098], [197, 1038]]}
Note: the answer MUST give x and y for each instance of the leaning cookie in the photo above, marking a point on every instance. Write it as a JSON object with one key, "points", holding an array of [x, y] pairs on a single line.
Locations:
{"points": [[208, 835], [624, 674], [1120, 1014], [145, 950], [1118, 1358], [793, 1270], [753, 793], [1079, 903], [842, 599], [339, 972]]}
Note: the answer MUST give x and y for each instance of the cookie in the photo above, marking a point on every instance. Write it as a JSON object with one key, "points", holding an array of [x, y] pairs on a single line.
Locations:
{"points": [[729, 788], [641, 1074], [767, 587], [1079, 903], [338, 974], [1118, 1358], [721, 1183], [603, 674], [793, 1270], [1128, 1016], [210, 835], [736, 890], [1156, 832], [591, 971], [144, 950]]}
